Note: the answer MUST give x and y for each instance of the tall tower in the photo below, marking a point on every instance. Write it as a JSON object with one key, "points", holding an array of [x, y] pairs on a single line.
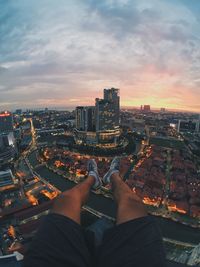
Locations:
{"points": [[112, 95], [85, 118], [99, 124], [91, 119], [6, 122], [80, 118], [107, 110]]}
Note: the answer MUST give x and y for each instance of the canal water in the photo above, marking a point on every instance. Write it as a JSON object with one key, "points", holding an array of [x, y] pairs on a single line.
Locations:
{"points": [[169, 228]]}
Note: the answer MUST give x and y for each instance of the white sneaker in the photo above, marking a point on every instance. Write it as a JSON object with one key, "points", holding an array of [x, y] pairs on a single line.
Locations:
{"points": [[93, 171], [114, 168]]}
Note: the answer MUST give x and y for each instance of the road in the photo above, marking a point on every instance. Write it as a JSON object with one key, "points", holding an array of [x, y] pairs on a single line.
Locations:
{"points": [[170, 229]]}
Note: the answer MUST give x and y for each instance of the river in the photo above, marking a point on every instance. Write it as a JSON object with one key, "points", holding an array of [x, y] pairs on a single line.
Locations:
{"points": [[169, 228]]}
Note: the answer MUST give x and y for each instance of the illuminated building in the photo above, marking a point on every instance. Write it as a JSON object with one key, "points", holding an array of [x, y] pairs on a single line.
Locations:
{"points": [[188, 126], [47, 132], [6, 122], [107, 117], [90, 126], [147, 108], [7, 140], [80, 118], [85, 118], [99, 124], [7, 179], [107, 110], [112, 96], [7, 148]]}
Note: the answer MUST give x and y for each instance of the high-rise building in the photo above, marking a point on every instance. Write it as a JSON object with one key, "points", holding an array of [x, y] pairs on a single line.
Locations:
{"points": [[112, 95], [91, 119], [7, 139], [147, 108], [6, 122], [107, 110], [100, 123], [80, 118], [7, 180], [163, 110], [188, 126], [7, 148], [85, 118], [105, 115]]}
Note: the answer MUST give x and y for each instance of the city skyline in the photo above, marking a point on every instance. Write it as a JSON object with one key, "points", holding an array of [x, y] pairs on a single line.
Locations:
{"points": [[99, 124], [61, 54]]}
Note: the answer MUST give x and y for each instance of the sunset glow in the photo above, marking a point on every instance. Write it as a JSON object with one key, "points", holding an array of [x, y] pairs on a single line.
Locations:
{"points": [[63, 53]]}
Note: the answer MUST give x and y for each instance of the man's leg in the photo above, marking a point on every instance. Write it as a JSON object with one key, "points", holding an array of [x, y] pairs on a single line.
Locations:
{"points": [[129, 205], [60, 240], [70, 202], [136, 239]]}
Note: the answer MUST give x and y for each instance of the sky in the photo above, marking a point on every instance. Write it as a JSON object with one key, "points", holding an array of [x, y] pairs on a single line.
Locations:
{"points": [[63, 53]]}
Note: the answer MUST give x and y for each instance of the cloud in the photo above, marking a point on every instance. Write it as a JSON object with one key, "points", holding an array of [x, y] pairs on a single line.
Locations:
{"points": [[53, 52]]}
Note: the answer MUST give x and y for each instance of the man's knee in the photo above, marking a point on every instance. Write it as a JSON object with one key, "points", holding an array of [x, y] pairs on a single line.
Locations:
{"points": [[68, 198], [134, 203], [69, 205], [130, 199]]}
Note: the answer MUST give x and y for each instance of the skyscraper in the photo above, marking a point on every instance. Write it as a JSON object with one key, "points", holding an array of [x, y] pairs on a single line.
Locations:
{"points": [[112, 95], [85, 118], [6, 122], [100, 123], [91, 119], [80, 118], [107, 110], [147, 108]]}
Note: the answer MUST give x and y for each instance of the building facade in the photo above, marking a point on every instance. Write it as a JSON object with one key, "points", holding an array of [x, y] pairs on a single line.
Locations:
{"points": [[112, 95], [189, 126], [7, 179], [107, 110], [6, 122], [99, 124], [147, 108], [85, 118], [7, 140]]}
